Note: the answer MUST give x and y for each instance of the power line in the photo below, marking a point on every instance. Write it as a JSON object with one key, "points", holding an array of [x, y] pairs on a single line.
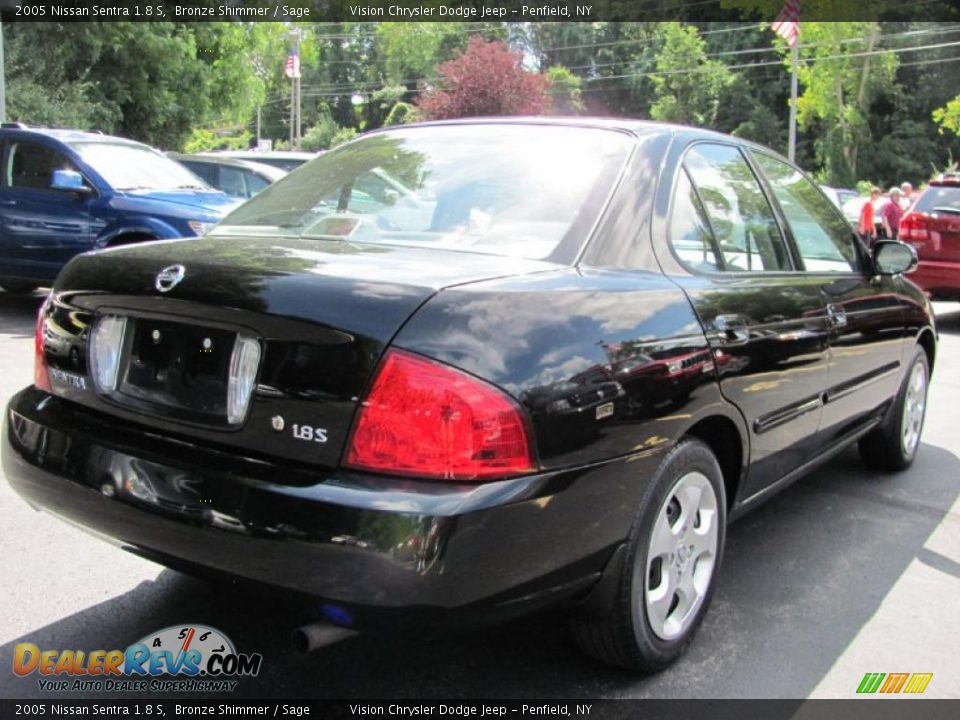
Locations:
{"points": [[648, 41], [844, 56], [345, 88], [771, 49]]}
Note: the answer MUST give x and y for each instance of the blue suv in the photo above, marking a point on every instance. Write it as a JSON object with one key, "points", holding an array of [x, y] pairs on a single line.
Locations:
{"points": [[63, 192]]}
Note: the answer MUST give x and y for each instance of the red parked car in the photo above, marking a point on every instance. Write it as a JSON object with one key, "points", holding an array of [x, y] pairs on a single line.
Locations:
{"points": [[932, 226]]}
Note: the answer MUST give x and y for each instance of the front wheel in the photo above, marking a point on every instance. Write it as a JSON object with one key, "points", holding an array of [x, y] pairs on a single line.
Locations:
{"points": [[667, 579], [894, 444]]}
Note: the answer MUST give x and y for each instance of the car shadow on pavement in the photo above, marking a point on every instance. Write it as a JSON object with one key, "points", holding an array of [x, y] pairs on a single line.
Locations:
{"points": [[19, 313], [801, 576]]}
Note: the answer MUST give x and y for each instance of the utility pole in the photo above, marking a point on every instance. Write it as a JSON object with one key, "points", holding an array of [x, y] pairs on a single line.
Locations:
{"points": [[297, 34], [293, 106], [794, 62], [293, 72], [259, 107]]}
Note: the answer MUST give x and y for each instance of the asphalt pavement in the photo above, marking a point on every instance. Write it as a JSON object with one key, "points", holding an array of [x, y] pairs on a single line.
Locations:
{"points": [[846, 572]]}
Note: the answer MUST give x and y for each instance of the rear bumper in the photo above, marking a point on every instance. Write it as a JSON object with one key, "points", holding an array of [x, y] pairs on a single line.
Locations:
{"points": [[381, 548], [940, 279]]}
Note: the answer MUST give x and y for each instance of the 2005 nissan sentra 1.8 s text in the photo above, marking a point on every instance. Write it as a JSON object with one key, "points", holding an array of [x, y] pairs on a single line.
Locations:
{"points": [[454, 372]]}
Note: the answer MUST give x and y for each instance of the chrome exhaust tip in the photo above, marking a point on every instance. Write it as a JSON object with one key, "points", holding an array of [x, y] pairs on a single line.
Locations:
{"points": [[319, 634]]}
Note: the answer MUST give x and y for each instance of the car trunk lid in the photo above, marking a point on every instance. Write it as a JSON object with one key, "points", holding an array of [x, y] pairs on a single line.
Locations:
{"points": [[933, 225], [322, 312]]}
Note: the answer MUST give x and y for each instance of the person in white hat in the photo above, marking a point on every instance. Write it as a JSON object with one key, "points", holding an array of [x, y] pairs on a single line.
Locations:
{"points": [[906, 195]]}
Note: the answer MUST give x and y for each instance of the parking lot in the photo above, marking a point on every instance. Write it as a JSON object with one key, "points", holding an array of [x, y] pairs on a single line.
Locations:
{"points": [[844, 573]]}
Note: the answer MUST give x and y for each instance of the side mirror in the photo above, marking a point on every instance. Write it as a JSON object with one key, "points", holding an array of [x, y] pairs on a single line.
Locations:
{"points": [[892, 257], [68, 181]]}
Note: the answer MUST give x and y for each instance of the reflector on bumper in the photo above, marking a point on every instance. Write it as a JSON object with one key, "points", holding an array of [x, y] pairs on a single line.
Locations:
{"points": [[243, 373], [106, 344]]}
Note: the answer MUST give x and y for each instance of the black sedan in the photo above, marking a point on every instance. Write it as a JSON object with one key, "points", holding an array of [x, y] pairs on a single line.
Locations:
{"points": [[451, 373]]}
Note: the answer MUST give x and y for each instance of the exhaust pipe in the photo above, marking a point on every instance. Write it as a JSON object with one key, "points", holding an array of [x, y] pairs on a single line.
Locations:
{"points": [[319, 634]]}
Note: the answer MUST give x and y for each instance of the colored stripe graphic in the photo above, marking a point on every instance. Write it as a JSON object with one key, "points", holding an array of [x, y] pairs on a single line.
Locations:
{"points": [[918, 682], [894, 682], [870, 682]]}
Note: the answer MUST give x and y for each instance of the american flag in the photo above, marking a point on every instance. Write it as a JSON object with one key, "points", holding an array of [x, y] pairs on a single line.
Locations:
{"points": [[787, 24], [292, 70]]}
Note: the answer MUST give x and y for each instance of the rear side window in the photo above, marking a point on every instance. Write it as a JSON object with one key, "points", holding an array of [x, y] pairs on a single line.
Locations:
{"points": [[231, 182], [31, 165], [935, 197], [689, 232], [205, 171], [255, 184], [746, 232], [823, 238]]}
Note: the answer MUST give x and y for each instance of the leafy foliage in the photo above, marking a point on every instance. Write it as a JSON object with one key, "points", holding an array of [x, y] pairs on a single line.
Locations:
{"points": [[400, 114], [948, 116], [343, 135], [320, 136], [566, 97], [839, 84], [200, 85], [487, 79], [205, 140], [692, 98]]}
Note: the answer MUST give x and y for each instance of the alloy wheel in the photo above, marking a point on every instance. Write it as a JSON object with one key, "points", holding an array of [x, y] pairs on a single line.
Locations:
{"points": [[682, 556], [914, 406]]}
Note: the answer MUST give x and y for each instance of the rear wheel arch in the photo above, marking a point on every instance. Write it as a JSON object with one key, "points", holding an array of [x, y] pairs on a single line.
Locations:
{"points": [[726, 441]]}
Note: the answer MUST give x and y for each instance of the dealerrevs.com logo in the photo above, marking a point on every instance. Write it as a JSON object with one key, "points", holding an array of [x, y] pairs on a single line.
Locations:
{"points": [[180, 658]]}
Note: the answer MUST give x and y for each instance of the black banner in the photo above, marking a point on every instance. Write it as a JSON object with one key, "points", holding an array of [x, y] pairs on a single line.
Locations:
{"points": [[493, 709], [468, 10]]}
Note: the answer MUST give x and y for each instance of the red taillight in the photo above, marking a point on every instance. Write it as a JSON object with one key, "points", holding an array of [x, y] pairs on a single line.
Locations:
{"points": [[913, 226], [426, 419], [41, 378]]}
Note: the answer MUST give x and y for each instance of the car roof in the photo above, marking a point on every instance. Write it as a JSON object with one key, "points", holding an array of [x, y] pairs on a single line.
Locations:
{"points": [[252, 154], [212, 159], [632, 126], [71, 136]]}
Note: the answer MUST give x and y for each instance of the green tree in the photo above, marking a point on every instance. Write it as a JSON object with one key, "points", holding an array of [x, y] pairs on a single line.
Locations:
{"points": [[320, 136], [566, 97], [687, 85], [154, 82], [841, 72], [412, 50], [401, 113], [948, 116]]}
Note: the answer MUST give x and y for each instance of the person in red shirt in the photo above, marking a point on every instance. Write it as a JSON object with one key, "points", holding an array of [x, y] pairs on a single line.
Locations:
{"points": [[867, 227], [891, 214]]}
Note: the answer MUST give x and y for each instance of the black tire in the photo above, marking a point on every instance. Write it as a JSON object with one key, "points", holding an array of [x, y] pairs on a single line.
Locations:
{"points": [[885, 447], [622, 634], [19, 287]]}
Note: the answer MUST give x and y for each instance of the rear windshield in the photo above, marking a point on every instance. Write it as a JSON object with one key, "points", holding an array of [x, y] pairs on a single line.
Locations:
{"points": [[939, 197], [513, 190]]}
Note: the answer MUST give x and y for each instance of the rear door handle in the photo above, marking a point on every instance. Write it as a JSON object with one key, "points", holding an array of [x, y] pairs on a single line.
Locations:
{"points": [[836, 315], [8, 202]]}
